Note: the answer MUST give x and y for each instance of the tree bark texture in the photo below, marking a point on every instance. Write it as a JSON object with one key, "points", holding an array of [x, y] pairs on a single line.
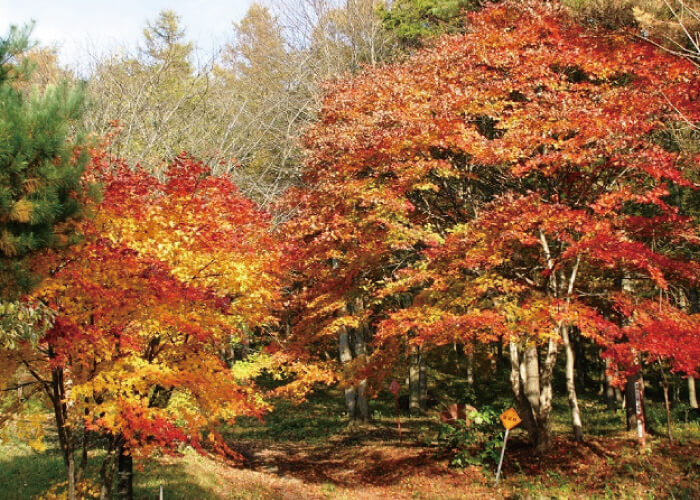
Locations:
{"points": [[352, 344], [125, 480], [532, 389], [571, 385], [414, 381], [692, 395]]}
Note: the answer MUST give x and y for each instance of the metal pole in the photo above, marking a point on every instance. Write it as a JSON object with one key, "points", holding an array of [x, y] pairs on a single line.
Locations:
{"points": [[503, 452], [160, 495]]}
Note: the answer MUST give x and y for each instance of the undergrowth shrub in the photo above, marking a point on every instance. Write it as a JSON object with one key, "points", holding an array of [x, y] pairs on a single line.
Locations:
{"points": [[476, 441]]}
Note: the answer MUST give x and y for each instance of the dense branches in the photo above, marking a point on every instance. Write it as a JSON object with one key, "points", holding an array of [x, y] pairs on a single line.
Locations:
{"points": [[496, 187]]}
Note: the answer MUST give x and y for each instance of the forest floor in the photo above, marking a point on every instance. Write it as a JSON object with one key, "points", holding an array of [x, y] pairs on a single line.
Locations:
{"points": [[309, 452]]}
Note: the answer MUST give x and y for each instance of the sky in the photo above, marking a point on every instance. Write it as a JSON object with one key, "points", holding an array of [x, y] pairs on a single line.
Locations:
{"points": [[77, 27]]}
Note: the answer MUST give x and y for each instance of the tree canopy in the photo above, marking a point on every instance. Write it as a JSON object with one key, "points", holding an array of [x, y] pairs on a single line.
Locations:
{"points": [[496, 187]]}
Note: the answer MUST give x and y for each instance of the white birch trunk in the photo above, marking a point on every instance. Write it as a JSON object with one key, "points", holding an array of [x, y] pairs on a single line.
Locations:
{"points": [[692, 396], [414, 381]]}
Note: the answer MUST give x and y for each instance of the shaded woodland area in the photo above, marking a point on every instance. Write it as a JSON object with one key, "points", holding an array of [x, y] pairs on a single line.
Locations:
{"points": [[324, 260]]}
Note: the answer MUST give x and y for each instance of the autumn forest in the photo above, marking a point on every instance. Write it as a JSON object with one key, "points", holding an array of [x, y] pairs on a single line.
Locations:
{"points": [[431, 249]]}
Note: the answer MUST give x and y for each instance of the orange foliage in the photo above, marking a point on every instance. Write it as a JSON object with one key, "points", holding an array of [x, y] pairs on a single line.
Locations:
{"points": [[457, 192], [171, 274]]}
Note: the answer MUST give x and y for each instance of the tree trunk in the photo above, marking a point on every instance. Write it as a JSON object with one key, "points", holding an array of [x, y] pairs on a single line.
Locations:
{"points": [[630, 396], [544, 425], [581, 365], [667, 403], [423, 382], [83, 455], [532, 383], [692, 305], [516, 383], [362, 404], [692, 396], [345, 358], [532, 388], [125, 480], [470, 367], [631, 401], [571, 385], [630, 390], [618, 396], [107, 468], [609, 389], [414, 381], [70, 466], [530, 372], [57, 394]]}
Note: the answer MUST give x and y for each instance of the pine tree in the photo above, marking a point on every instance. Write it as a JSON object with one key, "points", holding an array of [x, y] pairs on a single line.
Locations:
{"points": [[412, 21], [42, 156]]}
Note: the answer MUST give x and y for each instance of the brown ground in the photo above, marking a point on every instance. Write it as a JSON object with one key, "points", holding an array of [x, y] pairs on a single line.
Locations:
{"points": [[368, 468]]}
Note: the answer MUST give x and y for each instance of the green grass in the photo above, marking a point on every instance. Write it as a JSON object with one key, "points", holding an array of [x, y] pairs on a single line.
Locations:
{"points": [[320, 420], [313, 421], [178, 479], [25, 473]]}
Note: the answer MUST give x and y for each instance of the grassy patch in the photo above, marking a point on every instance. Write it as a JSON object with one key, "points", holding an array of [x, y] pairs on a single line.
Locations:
{"points": [[25, 473], [312, 421]]}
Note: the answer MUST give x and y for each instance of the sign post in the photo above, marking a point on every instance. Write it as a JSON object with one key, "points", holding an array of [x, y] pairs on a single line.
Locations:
{"points": [[395, 387], [509, 419]]}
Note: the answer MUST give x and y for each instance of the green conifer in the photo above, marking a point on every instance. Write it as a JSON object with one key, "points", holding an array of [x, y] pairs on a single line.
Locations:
{"points": [[42, 158]]}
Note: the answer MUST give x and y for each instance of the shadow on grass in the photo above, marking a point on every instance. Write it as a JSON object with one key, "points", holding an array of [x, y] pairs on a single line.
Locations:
{"points": [[176, 478], [25, 473], [312, 421]]}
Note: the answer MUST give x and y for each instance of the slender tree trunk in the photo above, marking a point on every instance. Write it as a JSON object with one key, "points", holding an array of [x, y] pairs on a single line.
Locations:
{"points": [[361, 391], [423, 382], [57, 394], [83, 456], [690, 304], [692, 396], [676, 393], [345, 358], [107, 468], [630, 390], [414, 381], [70, 465], [631, 401], [581, 365], [667, 403], [470, 366], [570, 357], [630, 396], [609, 389], [457, 351], [571, 386], [618, 396], [495, 357], [125, 486]]}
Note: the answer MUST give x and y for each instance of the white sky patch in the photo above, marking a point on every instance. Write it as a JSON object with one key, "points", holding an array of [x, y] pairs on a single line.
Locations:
{"points": [[80, 27]]}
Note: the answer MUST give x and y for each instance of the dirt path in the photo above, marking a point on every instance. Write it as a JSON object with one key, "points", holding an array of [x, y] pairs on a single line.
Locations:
{"points": [[344, 468], [368, 464]]}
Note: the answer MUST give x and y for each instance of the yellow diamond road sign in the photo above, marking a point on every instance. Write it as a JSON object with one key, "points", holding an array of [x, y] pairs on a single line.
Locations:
{"points": [[510, 418]]}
